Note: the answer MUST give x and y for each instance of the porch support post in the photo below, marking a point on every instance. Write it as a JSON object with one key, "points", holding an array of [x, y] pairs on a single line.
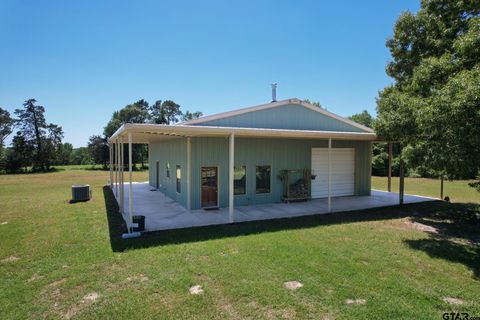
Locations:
{"points": [[130, 190], [117, 158], [402, 180], [110, 163], [120, 175], [231, 164], [189, 173], [330, 175], [150, 167], [390, 151], [122, 189], [130, 233], [442, 178]]}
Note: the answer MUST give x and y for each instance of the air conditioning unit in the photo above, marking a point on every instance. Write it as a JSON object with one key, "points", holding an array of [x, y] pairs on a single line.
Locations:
{"points": [[81, 192]]}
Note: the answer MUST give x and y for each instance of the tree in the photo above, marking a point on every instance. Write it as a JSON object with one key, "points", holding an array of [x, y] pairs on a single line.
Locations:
{"points": [[313, 103], [64, 154], [379, 150], [432, 108], [21, 155], [99, 150], [191, 115], [171, 111], [137, 112], [161, 112], [363, 118], [43, 137], [31, 121], [81, 156], [167, 112], [6, 126], [157, 114]]}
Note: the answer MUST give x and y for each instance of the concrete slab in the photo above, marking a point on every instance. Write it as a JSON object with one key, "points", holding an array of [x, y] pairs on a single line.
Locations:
{"points": [[163, 213]]}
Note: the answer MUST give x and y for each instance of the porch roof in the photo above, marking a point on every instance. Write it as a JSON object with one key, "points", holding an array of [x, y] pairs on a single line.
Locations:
{"points": [[146, 133]]}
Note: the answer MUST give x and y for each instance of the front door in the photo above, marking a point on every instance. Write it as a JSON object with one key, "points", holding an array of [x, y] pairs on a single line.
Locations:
{"points": [[209, 187]]}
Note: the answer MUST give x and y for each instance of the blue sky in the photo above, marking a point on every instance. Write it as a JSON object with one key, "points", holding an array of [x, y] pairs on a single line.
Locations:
{"points": [[84, 59]]}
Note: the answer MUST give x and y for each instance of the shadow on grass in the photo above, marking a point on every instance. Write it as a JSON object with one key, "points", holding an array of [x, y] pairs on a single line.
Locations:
{"points": [[457, 236], [96, 168], [50, 170], [444, 248], [117, 225]]}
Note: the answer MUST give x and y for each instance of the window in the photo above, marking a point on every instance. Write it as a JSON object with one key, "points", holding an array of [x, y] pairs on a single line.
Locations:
{"points": [[179, 179], [239, 180], [262, 176], [168, 170]]}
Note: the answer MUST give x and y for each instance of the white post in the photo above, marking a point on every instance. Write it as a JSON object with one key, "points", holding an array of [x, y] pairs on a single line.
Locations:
{"points": [[189, 173], [130, 191], [114, 159], [122, 190], [117, 167], [389, 181], [119, 181], [150, 167], [329, 174], [231, 168], [110, 151]]}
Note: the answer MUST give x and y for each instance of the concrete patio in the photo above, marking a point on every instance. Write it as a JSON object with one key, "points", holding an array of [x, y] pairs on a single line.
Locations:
{"points": [[163, 213]]}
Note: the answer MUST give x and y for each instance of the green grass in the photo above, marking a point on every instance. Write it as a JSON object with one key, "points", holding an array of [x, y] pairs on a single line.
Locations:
{"points": [[67, 251], [458, 190]]}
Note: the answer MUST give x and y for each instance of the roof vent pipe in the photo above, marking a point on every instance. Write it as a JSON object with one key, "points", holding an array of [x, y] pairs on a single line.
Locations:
{"points": [[274, 92]]}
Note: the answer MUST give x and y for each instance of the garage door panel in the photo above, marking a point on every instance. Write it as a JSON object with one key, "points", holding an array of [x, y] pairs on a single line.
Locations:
{"points": [[343, 172]]}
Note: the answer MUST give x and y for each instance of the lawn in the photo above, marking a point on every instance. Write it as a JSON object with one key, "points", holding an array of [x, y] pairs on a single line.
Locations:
{"points": [[62, 260], [457, 191]]}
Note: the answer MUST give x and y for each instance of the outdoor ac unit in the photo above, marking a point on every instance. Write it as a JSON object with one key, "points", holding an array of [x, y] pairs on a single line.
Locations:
{"points": [[81, 192]]}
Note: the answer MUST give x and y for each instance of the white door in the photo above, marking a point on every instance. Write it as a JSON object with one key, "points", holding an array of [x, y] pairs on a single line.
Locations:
{"points": [[343, 172]]}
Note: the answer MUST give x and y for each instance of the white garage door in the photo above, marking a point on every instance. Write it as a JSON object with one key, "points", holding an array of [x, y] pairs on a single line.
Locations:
{"points": [[343, 172]]}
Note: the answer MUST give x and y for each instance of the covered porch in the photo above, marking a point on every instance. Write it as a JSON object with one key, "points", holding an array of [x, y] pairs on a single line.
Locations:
{"points": [[163, 213]]}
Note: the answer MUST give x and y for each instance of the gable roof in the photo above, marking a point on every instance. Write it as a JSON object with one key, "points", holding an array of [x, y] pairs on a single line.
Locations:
{"points": [[294, 101]]}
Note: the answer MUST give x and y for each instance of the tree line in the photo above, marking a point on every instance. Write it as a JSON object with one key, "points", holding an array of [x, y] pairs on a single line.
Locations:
{"points": [[160, 112], [432, 110], [37, 145]]}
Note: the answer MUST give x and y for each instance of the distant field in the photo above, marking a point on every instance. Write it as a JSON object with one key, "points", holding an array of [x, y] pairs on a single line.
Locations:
{"points": [[458, 190], [67, 261]]}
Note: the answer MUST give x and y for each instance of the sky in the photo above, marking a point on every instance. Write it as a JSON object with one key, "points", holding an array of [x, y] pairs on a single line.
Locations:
{"points": [[82, 60]]}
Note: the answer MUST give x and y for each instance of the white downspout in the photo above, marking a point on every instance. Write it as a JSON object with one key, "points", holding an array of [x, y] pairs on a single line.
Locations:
{"points": [[231, 168], [110, 151], [330, 175], [117, 167], [189, 173], [130, 191], [122, 189]]}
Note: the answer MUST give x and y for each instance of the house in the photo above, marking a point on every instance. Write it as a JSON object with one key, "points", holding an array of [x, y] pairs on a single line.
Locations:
{"points": [[265, 139], [237, 158]]}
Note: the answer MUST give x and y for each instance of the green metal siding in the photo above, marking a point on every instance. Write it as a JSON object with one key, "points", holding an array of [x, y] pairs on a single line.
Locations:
{"points": [[279, 153], [292, 116], [174, 152], [209, 152]]}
